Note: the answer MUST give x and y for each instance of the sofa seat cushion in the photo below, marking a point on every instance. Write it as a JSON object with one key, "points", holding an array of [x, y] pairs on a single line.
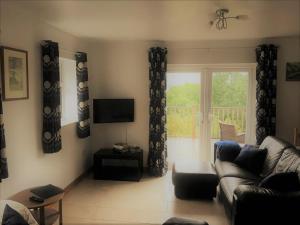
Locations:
{"points": [[229, 169], [275, 148], [183, 221], [229, 184], [289, 162]]}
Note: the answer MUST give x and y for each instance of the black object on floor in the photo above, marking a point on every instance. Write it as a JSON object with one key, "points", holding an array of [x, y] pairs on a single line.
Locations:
{"points": [[182, 221], [194, 180], [110, 164], [47, 191]]}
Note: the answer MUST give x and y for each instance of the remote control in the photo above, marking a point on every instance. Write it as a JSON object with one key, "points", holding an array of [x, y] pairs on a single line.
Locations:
{"points": [[36, 199]]}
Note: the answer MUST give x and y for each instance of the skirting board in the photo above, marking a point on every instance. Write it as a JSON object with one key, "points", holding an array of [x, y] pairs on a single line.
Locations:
{"points": [[77, 180], [85, 174]]}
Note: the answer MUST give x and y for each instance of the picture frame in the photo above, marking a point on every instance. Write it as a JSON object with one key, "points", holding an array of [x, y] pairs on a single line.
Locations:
{"points": [[14, 73], [293, 71]]}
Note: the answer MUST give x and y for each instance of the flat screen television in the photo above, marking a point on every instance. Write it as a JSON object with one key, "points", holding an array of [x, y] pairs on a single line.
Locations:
{"points": [[113, 110]]}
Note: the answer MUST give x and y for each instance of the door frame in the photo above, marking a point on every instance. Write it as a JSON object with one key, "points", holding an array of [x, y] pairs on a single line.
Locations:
{"points": [[206, 71]]}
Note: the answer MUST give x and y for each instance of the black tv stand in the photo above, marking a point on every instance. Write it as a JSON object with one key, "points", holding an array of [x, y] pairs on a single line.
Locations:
{"points": [[111, 164]]}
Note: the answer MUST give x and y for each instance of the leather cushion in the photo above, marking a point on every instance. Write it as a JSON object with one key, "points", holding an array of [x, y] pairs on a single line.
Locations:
{"points": [[179, 221], [289, 162], [283, 182], [229, 184], [229, 169], [251, 159], [275, 147], [194, 173]]}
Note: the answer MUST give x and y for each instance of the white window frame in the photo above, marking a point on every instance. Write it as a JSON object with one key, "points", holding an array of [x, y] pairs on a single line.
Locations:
{"points": [[69, 113], [206, 71]]}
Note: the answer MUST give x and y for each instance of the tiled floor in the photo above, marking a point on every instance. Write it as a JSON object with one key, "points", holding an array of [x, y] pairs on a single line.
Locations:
{"points": [[150, 201]]}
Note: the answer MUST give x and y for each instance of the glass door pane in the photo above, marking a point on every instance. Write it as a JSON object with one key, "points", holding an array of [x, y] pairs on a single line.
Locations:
{"points": [[183, 115], [228, 112]]}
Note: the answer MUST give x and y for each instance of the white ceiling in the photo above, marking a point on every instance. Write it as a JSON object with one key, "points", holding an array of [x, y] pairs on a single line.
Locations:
{"points": [[168, 20]]}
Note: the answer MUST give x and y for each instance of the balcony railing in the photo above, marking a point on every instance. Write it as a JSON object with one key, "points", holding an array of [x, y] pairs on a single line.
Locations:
{"points": [[184, 121]]}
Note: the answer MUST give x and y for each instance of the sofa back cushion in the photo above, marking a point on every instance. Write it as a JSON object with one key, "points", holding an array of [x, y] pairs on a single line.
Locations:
{"points": [[283, 182], [289, 162], [275, 148], [251, 159]]}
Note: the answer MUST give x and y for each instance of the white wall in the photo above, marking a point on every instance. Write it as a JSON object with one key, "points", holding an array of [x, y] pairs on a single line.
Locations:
{"points": [[27, 164], [288, 92], [120, 70], [117, 69]]}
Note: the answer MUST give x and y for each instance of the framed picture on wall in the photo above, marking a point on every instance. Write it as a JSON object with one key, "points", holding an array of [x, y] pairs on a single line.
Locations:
{"points": [[293, 71], [14, 74]]}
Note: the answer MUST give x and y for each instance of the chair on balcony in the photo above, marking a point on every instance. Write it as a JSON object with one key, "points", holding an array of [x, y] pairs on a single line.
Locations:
{"points": [[228, 132]]}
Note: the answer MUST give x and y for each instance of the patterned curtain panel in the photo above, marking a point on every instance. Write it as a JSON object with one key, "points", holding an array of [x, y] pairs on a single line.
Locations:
{"points": [[51, 137], [83, 125], [157, 160], [3, 161], [266, 75]]}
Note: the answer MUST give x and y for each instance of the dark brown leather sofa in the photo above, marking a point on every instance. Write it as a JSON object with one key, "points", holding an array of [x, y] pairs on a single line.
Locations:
{"points": [[246, 203]]}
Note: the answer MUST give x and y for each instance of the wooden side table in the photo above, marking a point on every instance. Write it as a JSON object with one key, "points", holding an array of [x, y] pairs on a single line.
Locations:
{"points": [[43, 214]]}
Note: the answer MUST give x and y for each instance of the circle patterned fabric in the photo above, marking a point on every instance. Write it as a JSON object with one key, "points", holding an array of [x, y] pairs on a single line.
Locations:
{"points": [[266, 76], [157, 159], [51, 137]]}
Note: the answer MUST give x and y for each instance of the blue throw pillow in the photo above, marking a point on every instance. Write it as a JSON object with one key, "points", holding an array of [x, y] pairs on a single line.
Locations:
{"points": [[227, 150], [251, 158], [283, 182], [12, 217]]}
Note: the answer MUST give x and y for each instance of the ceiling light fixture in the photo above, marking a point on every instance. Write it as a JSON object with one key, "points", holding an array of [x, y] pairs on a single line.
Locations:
{"points": [[221, 18]]}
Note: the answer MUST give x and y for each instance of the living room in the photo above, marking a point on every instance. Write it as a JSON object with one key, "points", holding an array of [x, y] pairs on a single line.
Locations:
{"points": [[116, 37]]}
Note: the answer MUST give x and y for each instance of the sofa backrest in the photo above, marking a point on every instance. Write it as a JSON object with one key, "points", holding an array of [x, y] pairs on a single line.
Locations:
{"points": [[289, 161], [275, 147]]}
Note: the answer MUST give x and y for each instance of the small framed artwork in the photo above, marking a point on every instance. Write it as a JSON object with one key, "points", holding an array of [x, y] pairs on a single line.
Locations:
{"points": [[293, 71], [14, 73]]}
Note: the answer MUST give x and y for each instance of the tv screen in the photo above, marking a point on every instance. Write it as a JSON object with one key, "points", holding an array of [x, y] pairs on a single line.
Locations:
{"points": [[113, 110]]}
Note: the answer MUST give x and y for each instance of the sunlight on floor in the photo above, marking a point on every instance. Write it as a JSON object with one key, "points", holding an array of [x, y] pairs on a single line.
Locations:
{"points": [[150, 201]]}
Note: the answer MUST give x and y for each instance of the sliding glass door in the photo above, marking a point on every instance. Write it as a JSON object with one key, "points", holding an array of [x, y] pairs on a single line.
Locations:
{"points": [[206, 104], [184, 115]]}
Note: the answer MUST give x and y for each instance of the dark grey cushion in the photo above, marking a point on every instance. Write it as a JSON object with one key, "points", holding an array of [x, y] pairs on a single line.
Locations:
{"points": [[179, 221], [275, 148], [229, 169], [251, 159], [227, 150], [12, 217]]}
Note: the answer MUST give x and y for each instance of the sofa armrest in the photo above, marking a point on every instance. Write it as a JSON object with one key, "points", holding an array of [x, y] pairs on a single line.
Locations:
{"points": [[257, 205]]}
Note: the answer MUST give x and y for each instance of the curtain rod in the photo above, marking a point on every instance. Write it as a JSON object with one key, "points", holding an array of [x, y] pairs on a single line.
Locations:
{"points": [[215, 48]]}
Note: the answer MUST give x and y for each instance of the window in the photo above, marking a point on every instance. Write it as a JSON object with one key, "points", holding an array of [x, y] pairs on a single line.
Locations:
{"points": [[68, 91], [200, 98]]}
